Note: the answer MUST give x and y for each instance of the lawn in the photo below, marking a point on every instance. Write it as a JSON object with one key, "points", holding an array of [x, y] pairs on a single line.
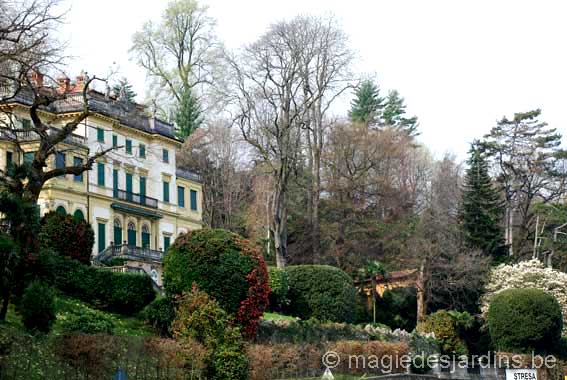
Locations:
{"points": [[278, 317]]}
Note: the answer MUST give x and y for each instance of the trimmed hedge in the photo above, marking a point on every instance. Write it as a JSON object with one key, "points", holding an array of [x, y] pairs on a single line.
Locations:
{"points": [[322, 292], [525, 320], [55, 231], [38, 307], [225, 266], [124, 293]]}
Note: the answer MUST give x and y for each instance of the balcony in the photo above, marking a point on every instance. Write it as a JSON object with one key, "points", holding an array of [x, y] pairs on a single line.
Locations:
{"points": [[139, 199], [29, 136], [129, 252]]}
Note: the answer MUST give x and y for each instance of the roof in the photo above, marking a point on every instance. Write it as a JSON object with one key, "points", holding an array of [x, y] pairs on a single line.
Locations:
{"points": [[127, 113]]}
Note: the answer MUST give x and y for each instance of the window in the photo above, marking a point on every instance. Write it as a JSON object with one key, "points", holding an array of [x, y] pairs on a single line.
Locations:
{"points": [[132, 234], [117, 232], [9, 159], [193, 199], [129, 187], [100, 135], [78, 161], [60, 160], [26, 124], [145, 236], [115, 182], [142, 187], [180, 196], [165, 191], [128, 146], [114, 141], [78, 215], [101, 237], [28, 157], [166, 242], [142, 151], [165, 155], [100, 172], [61, 210]]}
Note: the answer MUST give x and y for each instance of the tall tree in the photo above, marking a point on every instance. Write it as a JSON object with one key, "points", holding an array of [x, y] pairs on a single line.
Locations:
{"points": [[530, 168], [483, 211], [179, 52], [189, 116], [394, 114], [367, 105], [124, 89]]}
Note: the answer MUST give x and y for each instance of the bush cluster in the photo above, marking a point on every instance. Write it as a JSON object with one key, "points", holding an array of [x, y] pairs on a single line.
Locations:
{"points": [[160, 314], [225, 266], [55, 231], [88, 321], [124, 293], [322, 292], [447, 327], [525, 320], [37, 307], [279, 288]]}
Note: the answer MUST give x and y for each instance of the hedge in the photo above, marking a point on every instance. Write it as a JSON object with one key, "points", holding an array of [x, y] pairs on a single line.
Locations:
{"points": [[322, 292], [38, 307], [124, 293], [525, 320]]}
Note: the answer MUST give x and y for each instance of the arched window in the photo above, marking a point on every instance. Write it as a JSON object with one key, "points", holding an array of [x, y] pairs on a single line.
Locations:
{"points": [[132, 234], [145, 236], [61, 210], [117, 232], [79, 215]]}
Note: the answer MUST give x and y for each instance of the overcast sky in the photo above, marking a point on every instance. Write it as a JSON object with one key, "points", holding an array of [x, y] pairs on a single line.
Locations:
{"points": [[460, 65]]}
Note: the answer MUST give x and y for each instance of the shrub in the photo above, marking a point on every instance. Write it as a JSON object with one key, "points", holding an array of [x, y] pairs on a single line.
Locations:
{"points": [[55, 231], [524, 320], [279, 286], [229, 361], [225, 266], [396, 308], [160, 314], [88, 321], [445, 326], [527, 274], [38, 307], [125, 293], [322, 292]]}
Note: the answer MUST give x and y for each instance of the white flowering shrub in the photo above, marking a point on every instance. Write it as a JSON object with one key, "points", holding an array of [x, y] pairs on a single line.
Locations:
{"points": [[527, 274]]}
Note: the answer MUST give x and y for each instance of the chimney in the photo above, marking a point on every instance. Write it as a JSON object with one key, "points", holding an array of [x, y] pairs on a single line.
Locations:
{"points": [[63, 83], [80, 81], [37, 78]]}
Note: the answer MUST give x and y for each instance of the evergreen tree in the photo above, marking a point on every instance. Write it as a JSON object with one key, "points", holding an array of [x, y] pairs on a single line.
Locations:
{"points": [[367, 105], [483, 209], [123, 86], [394, 114], [189, 116]]}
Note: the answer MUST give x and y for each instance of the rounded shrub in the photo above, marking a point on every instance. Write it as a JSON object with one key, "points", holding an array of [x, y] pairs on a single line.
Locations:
{"points": [[445, 325], [88, 321], [525, 320], [56, 230], [322, 292], [38, 307], [160, 314], [225, 266]]}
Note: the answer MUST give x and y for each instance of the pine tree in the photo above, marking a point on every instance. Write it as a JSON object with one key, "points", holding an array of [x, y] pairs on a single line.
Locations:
{"points": [[125, 86], [367, 105], [394, 114], [189, 116], [483, 210]]}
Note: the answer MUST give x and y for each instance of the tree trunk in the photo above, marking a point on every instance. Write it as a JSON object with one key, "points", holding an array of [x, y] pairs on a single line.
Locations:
{"points": [[421, 304], [510, 229], [279, 223]]}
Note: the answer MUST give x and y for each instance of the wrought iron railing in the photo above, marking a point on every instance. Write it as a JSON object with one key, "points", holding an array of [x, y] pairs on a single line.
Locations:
{"points": [[26, 136], [187, 174], [140, 199]]}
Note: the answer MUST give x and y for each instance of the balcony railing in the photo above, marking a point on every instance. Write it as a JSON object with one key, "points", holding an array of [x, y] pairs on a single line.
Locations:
{"points": [[140, 199], [187, 174], [132, 252], [23, 136]]}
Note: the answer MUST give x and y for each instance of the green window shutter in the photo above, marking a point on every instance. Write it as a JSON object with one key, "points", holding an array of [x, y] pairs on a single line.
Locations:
{"points": [[145, 240], [60, 160], [26, 124], [61, 210], [165, 155], [128, 146], [117, 235], [193, 199], [142, 151], [101, 237], [166, 191], [142, 186], [78, 161], [28, 157], [132, 237], [100, 172], [9, 159], [128, 186], [180, 196], [100, 135], [79, 215], [114, 141], [115, 182], [166, 242]]}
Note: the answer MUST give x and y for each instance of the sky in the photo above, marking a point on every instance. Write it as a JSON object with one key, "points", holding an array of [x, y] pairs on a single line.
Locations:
{"points": [[460, 65]]}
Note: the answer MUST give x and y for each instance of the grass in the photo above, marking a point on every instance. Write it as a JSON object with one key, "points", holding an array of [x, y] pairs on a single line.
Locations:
{"points": [[278, 317]]}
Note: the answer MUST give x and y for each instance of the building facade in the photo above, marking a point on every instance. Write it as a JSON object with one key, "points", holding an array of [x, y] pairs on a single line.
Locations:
{"points": [[134, 195]]}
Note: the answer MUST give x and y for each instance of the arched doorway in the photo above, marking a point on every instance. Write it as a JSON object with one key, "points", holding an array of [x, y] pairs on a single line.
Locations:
{"points": [[145, 236], [132, 234], [79, 215], [117, 232], [61, 210]]}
